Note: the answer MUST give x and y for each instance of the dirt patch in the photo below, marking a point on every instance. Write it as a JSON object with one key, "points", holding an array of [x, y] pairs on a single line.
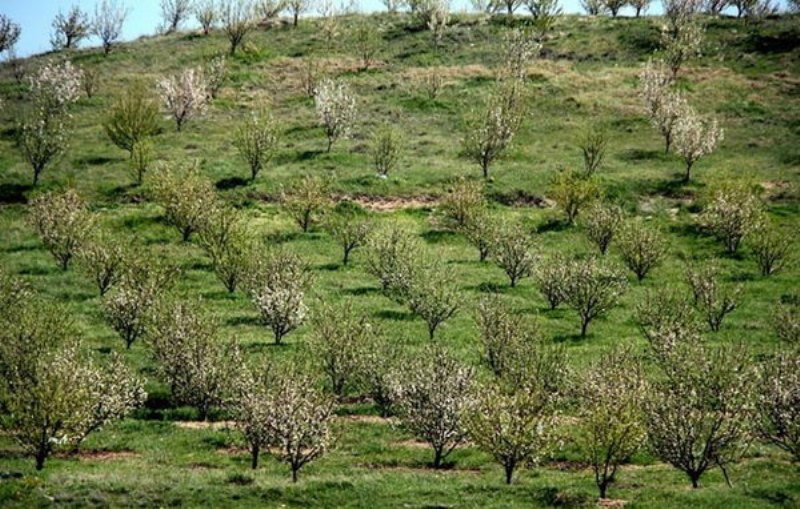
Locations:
{"points": [[421, 470], [106, 455], [611, 502], [566, 466], [369, 419], [204, 424], [413, 444], [390, 203], [776, 189]]}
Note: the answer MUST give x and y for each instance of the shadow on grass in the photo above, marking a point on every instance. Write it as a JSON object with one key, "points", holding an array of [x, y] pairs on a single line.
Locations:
{"points": [[361, 290], [553, 225], [14, 193], [243, 320], [637, 154], [95, 160], [436, 236], [231, 183], [390, 314]]}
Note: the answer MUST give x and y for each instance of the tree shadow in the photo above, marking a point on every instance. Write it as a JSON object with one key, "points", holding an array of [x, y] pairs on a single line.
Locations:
{"points": [[243, 320], [96, 160], [231, 183], [391, 314], [553, 225], [14, 193], [362, 290], [637, 154]]}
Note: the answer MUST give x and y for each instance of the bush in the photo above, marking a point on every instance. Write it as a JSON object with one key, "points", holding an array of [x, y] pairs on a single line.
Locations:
{"points": [[772, 248], [666, 315], [186, 196], [190, 358], [778, 402], [336, 109], [257, 141], [601, 223], [141, 159], [463, 201], [42, 140], [378, 372], [432, 295], [513, 252], [641, 247], [63, 223], [733, 213], [502, 333], [479, 230], [392, 257], [551, 277], [306, 200], [350, 230], [787, 320], [571, 192], [593, 145], [592, 289], [277, 285], [433, 394], [103, 258], [694, 137], [713, 299], [132, 119], [367, 42], [385, 150], [227, 240]]}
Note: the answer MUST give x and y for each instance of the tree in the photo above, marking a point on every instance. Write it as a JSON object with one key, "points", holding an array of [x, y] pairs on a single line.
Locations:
{"points": [[336, 109], [91, 81], [572, 191], [215, 71], [642, 248], [132, 119], [63, 223], [207, 14], [385, 150], [593, 7], [392, 257], [682, 34], [350, 230], [329, 24], [173, 13], [479, 230], [237, 21], [257, 141], [186, 197], [433, 394], [551, 277], [601, 223], [503, 333], [42, 140], [662, 104], [284, 410], [227, 240], [699, 412], [545, 13], [9, 33], [612, 394], [103, 259], [432, 295], [592, 289], [141, 160], [190, 358], [463, 201], [109, 17], [54, 87], [306, 200], [734, 211], [69, 29], [367, 42], [270, 9], [715, 7], [665, 317], [640, 6], [129, 306], [185, 95], [296, 8], [713, 299], [787, 320], [513, 252], [340, 336], [378, 371], [490, 131], [277, 286], [593, 145], [52, 394], [778, 402], [614, 6], [518, 51], [772, 248], [694, 137]]}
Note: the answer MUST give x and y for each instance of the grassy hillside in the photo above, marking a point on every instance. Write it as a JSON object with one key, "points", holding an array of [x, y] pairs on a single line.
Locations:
{"points": [[748, 78]]}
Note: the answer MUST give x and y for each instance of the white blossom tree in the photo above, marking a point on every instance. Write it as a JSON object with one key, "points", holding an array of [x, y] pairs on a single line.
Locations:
{"points": [[238, 19], [733, 212], [109, 18], [173, 13], [185, 95], [778, 401], [206, 12], [63, 223], [694, 137], [257, 141], [336, 109], [9, 33], [592, 289]]}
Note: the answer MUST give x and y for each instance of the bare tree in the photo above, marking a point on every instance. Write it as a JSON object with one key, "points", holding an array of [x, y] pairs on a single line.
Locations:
{"points": [[109, 17], [174, 12], [237, 18], [69, 29], [9, 33]]}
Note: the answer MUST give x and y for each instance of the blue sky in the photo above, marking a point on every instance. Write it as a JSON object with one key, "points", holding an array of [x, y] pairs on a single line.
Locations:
{"points": [[35, 17]]}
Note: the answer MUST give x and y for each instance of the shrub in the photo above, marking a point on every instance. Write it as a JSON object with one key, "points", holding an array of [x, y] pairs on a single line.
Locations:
{"points": [[592, 289], [109, 17], [699, 415], [571, 192], [641, 247], [306, 200], [433, 394], [601, 223], [42, 140], [277, 286], [593, 145], [184, 96], [612, 394], [282, 409], [190, 358], [713, 299], [519, 50], [463, 201], [206, 14], [778, 402], [227, 240], [772, 248], [666, 316], [512, 252], [310, 76], [257, 141], [378, 372], [392, 255], [103, 258], [490, 131], [336, 109], [63, 223], [41, 354], [733, 212], [141, 159], [663, 105], [236, 17], [545, 14], [132, 119], [432, 295], [215, 72], [91, 81], [129, 306], [350, 231], [551, 277], [385, 150], [70, 28], [367, 42], [787, 320], [479, 229], [186, 196], [694, 137], [340, 337], [502, 332]]}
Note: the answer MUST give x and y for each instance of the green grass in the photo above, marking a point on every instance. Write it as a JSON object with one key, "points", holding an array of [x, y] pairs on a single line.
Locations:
{"points": [[747, 77]]}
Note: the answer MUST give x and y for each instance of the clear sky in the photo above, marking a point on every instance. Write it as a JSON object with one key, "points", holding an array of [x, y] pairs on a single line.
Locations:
{"points": [[35, 17]]}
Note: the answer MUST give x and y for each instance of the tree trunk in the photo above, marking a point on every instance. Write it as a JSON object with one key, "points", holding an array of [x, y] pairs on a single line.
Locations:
{"points": [[509, 469], [254, 450], [584, 327], [346, 257], [295, 468], [688, 175], [437, 457], [296, 14], [603, 487]]}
